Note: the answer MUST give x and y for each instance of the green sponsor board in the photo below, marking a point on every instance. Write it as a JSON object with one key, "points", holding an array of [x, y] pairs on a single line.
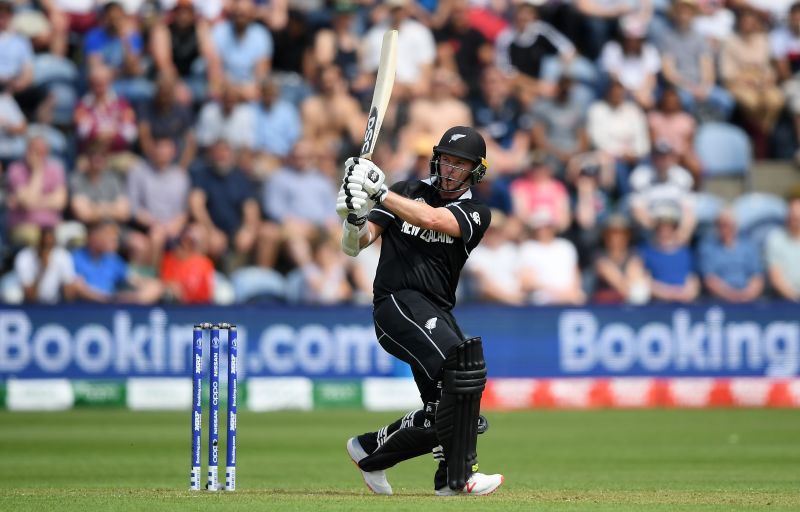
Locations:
{"points": [[98, 393], [337, 394]]}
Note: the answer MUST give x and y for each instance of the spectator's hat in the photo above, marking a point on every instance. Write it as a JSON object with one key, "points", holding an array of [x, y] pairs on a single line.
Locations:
{"points": [[537, 159], [689, 3], [666, 213], [30, 23], [396, 4], [633, 26], [662, 147], [616, 222], [532, 3], [540, 218], [345, 7]]}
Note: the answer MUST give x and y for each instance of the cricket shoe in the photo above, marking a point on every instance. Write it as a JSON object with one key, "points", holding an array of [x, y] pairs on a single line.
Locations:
{"points": [[477, 485], [375, 480]]}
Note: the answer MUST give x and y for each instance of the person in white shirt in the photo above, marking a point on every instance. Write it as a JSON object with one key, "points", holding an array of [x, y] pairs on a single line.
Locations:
{"points": [[634, 62], [229, 118], [492, 265], [46, 272], [548, 266]]}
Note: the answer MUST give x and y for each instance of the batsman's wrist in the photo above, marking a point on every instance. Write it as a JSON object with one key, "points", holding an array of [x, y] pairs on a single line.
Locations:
{"points": [[380, 195]]}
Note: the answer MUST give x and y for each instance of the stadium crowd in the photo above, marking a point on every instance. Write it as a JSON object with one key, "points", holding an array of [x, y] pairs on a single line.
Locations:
{"points": [[179, 151]]}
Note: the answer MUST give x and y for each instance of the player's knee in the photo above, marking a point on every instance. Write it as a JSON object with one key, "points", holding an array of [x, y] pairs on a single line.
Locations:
{"points": [[464, 368]]}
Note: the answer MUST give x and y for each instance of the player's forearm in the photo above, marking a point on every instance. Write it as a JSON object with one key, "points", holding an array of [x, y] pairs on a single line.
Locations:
{"points": [[421, 214]]}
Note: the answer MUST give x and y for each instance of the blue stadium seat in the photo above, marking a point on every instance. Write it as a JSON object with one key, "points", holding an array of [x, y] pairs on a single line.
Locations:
{"points": [[759, 213], [724, 150]]}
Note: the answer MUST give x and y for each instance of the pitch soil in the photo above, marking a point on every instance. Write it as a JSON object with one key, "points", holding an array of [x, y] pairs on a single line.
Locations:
{"points": [[598, 460]]}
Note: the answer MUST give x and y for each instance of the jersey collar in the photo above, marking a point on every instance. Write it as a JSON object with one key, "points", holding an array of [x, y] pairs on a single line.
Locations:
{"points": [[466, 195]]}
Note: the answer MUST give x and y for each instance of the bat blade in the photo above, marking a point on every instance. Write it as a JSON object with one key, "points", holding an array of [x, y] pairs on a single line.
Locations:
{"points": [[383, 91]]}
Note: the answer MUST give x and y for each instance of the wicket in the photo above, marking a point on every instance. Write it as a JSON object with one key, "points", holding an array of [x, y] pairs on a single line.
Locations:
{"points": [[197, 407]]}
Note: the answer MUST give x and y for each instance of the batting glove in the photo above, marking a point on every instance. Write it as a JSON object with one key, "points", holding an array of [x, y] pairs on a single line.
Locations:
{"points": [[352, 204], [365, 173]]}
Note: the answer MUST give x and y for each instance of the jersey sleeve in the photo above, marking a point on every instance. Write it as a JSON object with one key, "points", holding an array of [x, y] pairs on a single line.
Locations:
{"points": [[383, 216], [473, 218]]}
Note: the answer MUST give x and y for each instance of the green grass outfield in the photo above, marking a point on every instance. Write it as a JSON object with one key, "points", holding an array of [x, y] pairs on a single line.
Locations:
{"points": [[116, 460]]}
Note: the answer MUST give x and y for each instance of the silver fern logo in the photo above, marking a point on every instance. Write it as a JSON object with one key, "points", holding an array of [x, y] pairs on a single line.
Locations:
{"points": [[431, 324], [457, 136]]}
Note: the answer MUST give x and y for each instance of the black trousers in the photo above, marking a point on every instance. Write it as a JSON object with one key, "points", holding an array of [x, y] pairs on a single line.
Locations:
{"points": [[413, 329]]}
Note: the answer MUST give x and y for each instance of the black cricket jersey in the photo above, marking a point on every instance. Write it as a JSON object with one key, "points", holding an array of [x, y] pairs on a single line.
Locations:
{"points": [[423, 260]]}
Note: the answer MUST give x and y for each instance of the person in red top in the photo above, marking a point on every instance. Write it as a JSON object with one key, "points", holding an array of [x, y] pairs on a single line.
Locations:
{"points": [[102, 116], [186, 271], [537, 190]]}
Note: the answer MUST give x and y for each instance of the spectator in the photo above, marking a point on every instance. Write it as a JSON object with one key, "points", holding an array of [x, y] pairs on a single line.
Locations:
{"points": [[785, 48], [730, 265], [620, 272], [12, 129], [339, 44], [747, 73], [245, 48], [187, 273], [293, 46], [46, 273], [180, 47], [302, 200], [783, 253], [164, 118], [688, 65], [498, 115], [103, 117], [278, 124], [590, 204], [325, 277], [228, 118], [416, 45], [462, 48], [37, 192], [117, 44], [97, 193], [521, 48], [670, 123], [663, 183], [103, 276], [669, 261], [633, 62], [549, 265], [223, 200], [81, 14], [492, 265], [601, 19], [536, 190], [714, 22], [618, 128], [559, 124], [158, 195]]}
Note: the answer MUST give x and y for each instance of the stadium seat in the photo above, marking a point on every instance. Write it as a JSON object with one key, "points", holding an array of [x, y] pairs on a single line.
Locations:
{"points": [[724, 150], [257, 284], [707, 208], [758, 213]]}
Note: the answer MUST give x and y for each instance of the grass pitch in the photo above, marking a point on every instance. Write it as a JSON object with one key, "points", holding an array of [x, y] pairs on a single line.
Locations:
{"points": [[553, 460]]}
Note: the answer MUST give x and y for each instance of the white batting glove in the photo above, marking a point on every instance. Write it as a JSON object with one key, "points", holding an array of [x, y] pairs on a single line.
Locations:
{"points": [[352, 204], [365, 173]]}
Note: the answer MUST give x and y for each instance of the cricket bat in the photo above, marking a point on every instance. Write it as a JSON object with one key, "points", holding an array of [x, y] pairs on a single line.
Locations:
{"points": [[380, 97]]}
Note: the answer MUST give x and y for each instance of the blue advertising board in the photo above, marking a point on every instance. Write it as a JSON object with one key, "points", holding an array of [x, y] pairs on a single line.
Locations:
{"points": [[119, 342]]}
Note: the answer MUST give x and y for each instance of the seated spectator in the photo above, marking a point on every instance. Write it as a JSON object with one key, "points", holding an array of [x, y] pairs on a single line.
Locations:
{"points": [[97, 192], [37, 192], [224, 201], [12, 130], [747, 72], [46, 272], [164, 118], [492, 266], [277, 125], [186, 271], [715, 22], [661, 183], [601, 17], [633, 62], [688, 65], [521, 48], [228, 118], [537, 190], [618, 128], [559, 124], [245, 48], [785, 49], [670, 123], [415, 43], [590, 204], [548, 266], [498, 115], [16, 62], [783, 253], [620, 272], [730, 265], [339, 44], [179, 45], [117, 44], [669, 261], [103, 276], [302, 200], [325, 276], [158, 194], [103, 117], [81, 14]]}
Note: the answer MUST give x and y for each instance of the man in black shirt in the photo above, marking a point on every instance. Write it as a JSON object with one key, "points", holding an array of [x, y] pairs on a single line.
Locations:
{"points": [[429, 228]]}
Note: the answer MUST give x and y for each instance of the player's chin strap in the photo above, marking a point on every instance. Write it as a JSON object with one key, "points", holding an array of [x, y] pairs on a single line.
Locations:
{"points": [[464, 378], [351, 236]]}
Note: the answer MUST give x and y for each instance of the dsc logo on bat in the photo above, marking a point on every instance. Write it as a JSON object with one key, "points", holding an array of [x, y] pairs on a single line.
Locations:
{"points": [[369, 133]]}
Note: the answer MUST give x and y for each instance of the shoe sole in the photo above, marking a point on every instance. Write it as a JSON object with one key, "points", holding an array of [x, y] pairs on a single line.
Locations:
{"points": [[363, 476]]}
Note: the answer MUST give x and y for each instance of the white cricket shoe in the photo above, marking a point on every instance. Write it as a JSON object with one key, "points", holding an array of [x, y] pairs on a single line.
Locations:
{"points": [[375, 480], [477, 485]]}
